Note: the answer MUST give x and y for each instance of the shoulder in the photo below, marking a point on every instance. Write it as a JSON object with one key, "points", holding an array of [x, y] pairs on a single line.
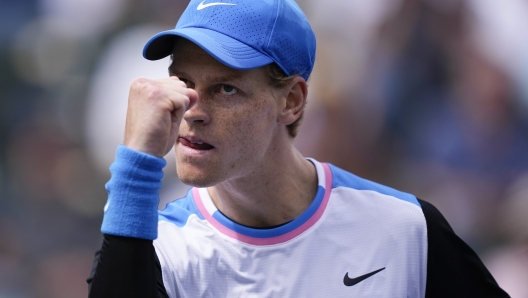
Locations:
{"points": [[344, 179], [178, 212], [453, 268], [374, 204]]}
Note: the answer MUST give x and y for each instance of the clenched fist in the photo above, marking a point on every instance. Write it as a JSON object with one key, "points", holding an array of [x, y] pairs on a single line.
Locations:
{"points": [[155, 110]]}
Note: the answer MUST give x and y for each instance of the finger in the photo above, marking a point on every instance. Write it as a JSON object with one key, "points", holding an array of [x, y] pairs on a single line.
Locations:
{"points": [[180, 101], [193, 97]]}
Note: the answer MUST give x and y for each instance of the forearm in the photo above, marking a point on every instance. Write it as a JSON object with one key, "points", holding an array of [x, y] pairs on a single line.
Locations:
{"points": [[127, 265]]}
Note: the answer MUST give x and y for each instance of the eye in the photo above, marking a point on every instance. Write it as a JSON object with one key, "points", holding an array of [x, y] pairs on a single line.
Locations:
{"points": [[228, 90]]}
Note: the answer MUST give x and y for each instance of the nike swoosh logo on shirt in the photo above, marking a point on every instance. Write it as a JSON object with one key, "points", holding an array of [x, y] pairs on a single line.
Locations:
{"points": [[353, 281], [202, 5]]}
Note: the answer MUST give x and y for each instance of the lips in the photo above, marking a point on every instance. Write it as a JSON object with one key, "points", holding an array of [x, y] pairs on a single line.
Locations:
{"points": [[195, 143]]}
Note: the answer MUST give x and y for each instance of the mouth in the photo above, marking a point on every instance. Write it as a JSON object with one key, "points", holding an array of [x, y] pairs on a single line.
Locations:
{"points": [[195, 143]]}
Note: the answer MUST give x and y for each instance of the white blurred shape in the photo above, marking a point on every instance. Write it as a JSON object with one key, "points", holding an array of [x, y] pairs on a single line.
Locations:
{"points": [[341, 15], [86, 17], [500, 30], [509, 267], [120, 63]]}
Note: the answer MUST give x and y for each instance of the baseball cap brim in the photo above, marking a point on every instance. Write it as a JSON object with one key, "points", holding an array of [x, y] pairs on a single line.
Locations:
{"points": [[225, 49]]}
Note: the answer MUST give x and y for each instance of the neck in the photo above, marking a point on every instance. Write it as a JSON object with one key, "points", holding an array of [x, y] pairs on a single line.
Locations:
{"points": [[277, 192]]}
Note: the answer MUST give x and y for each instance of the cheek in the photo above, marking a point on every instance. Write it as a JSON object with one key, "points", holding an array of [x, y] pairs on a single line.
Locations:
{"points": [[249, 127], [257, 119]]}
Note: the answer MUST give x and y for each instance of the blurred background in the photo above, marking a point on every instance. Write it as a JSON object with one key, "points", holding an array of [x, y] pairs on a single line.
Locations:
{"points": [[427, 96]]}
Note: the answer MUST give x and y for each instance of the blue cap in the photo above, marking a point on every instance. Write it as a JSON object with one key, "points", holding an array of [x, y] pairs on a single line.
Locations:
{"points": [[244, 34]]}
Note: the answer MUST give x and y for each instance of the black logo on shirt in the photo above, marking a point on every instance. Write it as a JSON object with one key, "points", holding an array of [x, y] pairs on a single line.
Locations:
{"points": [[352, 281]]}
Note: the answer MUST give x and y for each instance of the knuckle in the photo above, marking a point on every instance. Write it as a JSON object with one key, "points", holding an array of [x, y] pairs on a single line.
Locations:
{"points": [[138, 82], [146, 89], [139, 85], [153, 92]]}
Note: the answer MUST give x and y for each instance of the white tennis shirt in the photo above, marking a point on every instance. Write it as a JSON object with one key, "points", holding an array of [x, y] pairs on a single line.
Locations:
{"points": [[355, 232]]}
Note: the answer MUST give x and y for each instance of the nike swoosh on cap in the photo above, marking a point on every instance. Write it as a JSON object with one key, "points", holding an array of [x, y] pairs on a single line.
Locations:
{"points": [[353, 281], [202, 5]]}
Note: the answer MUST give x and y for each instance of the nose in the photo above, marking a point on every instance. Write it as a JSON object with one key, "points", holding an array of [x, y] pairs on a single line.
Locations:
{"points": [[196, 114]]}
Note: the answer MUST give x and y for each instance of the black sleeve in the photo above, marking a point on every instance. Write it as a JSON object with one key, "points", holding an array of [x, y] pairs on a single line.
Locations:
{"points": [[126, 267], [453, 268]]}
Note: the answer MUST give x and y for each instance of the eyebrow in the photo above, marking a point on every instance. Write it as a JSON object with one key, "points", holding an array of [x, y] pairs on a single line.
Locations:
{"points": [[226, 77], [221, 78]]}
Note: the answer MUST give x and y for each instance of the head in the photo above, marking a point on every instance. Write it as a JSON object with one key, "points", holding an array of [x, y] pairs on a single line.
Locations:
{"points": [[249, 61]]}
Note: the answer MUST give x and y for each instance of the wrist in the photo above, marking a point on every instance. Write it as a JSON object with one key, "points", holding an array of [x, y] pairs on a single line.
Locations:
{"points": [[131, 209], [145, 147]]}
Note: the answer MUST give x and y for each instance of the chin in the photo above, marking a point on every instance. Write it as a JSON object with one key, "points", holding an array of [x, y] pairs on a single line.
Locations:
{"points": [[196, 178]]}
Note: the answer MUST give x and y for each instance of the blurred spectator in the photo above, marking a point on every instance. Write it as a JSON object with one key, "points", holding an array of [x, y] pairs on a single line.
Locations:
{"points": [[453, 115], [58, 199], [341, 125]]}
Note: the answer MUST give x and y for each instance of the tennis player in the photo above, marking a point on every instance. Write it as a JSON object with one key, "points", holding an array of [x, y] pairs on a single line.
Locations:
{"points": [[261, 220]]}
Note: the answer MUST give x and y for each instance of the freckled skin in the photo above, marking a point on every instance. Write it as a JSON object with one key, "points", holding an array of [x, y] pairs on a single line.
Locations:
{"points": [[242, 127]]}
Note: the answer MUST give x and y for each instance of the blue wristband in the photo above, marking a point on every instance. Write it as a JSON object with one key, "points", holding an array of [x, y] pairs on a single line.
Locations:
{"points": [[132, 206]]}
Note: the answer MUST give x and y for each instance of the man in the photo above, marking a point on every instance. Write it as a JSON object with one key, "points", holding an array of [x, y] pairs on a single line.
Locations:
{"points": [[261, 220]]}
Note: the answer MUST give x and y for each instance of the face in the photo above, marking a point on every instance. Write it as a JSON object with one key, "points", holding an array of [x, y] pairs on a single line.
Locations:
{"points": [[230, 131]]}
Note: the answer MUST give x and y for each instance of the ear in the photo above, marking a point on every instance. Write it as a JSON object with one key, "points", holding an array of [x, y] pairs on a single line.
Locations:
{"points": [[294, 100]]}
